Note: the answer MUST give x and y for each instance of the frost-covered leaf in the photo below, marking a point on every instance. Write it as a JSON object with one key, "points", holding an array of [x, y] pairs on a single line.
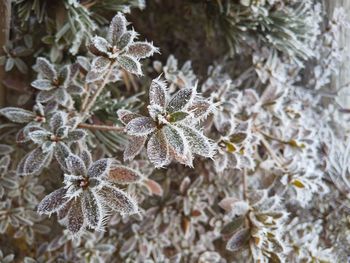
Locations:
{"points": [[141, 49], [118, 200], [121, 174], [42, 84], [130, 64], [175, 139], [64, 76], [75, 165], [62, 96], [100, 64], [53, 202], [75, 89], [93, 76], [153, 187], [140, 126], [158, 93], [34, 162], [177, 116], [157, 149], [76, 135], [5, 149], [46, 68], [99, 46], [128, 245], [231, 227], [117, 28], [181, 99], [86, 157], [92, 209], [126, 39], [200, 108], [125, 116], [61, 152], [17, 114], [134, 147], [39, 136], [45, 96], [238, 240], [198, 143], [58, 120], [99, 168], [75, 217]]}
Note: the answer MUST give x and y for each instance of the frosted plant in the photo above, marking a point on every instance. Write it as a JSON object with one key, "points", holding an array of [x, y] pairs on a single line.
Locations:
{"points": [[6, 259], [55, 85], [118, 48], [170, 127], [7, 178], [89, 192], [263, 232], [52, 140]]}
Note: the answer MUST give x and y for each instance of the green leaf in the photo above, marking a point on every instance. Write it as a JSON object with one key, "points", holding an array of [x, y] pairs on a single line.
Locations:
{"points": [[177, 116], [233, 225]]}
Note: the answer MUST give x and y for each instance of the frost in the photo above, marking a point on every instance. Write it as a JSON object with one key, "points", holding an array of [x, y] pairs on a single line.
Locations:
{"points": [[157, 149], [53, 202], [118, 200], [130, 64], [17, 114], [140, 126]]}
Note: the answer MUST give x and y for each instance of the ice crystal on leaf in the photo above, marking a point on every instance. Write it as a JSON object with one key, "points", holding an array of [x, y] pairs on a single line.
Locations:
{"points": [[170, 129], [89, 192]]}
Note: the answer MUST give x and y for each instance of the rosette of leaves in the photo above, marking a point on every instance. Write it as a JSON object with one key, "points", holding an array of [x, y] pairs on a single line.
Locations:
{"points": [[117, 49], [90, 191], [56, 85], [170, 129], [257, 224], [53, 139], [32, 119]]}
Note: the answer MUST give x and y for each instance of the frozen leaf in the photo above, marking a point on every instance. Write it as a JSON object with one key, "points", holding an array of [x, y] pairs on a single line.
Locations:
{"points": [[181, 99], [118, 200], [86, 157], [57, 120], [153, 187], [157, 149], [231, 227], [177, 116], [42, 84], [64, 76], [134, 147], [76, 135], [61, 153], [75, 217], [117, 28], [238, 240], [5, 149], [93, 76], [140, 126], [99, 46], [39, 136], [100, 64], [92, 209], [126, 39], [123, 175], [45, 96], [53, 202], [128, 246], [75, 165], [17, 114], [125, 116], [175, 139], [99, 168], [62, 97], [35, 161], [130, 64], [200, 108], [141, 49], [158, 93], [75, 89], [46, 69], [198, 143]]}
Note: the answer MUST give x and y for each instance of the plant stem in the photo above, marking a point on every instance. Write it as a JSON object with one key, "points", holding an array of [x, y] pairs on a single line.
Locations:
{"points": [[91, 103], [271, 151], [100, 127], [244, 182]]}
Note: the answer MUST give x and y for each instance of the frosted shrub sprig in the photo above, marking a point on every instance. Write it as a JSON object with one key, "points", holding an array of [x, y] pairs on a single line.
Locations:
{"points": [[170, 129], [89, 192]]}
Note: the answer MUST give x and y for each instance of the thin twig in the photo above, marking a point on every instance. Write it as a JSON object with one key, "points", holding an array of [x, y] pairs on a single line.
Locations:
{"points": [[91, 103], [272, 153], [244, 182], [101, 127]]}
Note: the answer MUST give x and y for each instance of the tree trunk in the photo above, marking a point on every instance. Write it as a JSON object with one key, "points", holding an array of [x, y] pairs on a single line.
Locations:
{"points": [[5, 17]]}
